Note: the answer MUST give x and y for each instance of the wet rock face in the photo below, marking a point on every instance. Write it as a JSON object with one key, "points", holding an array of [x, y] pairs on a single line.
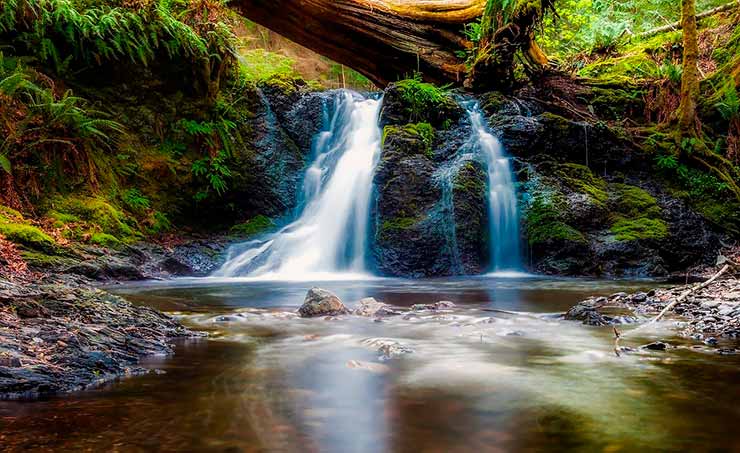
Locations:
{"points": [[320, 302], [430, 210], [593, 207]]}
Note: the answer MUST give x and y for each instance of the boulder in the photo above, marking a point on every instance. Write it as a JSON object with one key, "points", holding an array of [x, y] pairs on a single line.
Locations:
{"points": [[320, 302], [370, 307]]}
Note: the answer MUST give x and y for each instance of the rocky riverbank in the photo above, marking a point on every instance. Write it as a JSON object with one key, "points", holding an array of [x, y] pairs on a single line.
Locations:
{"points": [[706, 312], [58, 334]]}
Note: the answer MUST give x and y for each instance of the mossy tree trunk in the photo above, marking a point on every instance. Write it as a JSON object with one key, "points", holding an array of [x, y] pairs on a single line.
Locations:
{"points": [[687, 121], [386, 40]]}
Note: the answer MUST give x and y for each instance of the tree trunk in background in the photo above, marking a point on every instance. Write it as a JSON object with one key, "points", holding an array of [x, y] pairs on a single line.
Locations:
{"points": [[690, 77], [387, 40]]}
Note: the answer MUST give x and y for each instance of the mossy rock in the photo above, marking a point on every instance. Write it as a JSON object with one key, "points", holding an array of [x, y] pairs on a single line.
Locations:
{"points": [[105, 240], [544, 221], [413, 101], [422, 132], [632, 201], [397, 224], [579, 178], [101, 215], [640, 228], [285, 84], [256, 225], [28, 236]]}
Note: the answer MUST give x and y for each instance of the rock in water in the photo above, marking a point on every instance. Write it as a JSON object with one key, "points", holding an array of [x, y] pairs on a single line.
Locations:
{"points": [[370, 307], [320, 302]]}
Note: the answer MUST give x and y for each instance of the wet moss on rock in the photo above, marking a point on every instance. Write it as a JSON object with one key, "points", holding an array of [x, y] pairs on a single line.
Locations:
{"points": [[254, 226], [545, 223], [579, 178]]}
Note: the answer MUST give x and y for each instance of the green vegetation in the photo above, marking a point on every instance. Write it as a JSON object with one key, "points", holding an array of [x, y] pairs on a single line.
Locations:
{"points": [[399, 223], [635, 214], [580, 179], [17, 229], [423, 132], [256, 225], [545, 221], [421, 99]]}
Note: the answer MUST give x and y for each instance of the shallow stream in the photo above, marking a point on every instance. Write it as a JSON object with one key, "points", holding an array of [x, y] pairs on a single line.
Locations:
{"points": [[476, 377]]}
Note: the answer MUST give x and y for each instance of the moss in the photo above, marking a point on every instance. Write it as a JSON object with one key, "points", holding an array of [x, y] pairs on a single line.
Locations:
{"points": [[469, 179], [254, 226], [580, 179], [101, 215], [61, 220], [423, 102], [725, 214], [40, 259], [9, 214], [632, 201], [640, 228], [423, 132], [544, 222], [105, 240], [398, 223], [27, 235], [286, 84]]}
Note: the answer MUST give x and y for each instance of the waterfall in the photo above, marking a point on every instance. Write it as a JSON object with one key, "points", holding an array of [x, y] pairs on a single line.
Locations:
{"points": [[502, 203], [330, 233]]}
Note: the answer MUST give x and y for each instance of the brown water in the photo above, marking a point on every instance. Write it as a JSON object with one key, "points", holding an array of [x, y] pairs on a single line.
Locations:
{"points": [[477, 380]]}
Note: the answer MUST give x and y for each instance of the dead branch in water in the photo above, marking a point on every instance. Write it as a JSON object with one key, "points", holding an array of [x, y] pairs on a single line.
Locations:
{"points": [[690, 291], [728, 264]]}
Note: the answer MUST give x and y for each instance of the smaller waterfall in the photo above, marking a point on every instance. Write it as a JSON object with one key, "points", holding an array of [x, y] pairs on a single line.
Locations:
{"points": [[502, 203], [330, 233]]}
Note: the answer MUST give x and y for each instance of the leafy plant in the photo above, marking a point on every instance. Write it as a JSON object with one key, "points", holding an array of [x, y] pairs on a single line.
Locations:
{"points": [[215, 171], [135, 200]]}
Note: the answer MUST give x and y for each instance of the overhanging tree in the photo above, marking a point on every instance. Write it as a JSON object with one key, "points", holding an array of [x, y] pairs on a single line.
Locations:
{"points": [[447, 41]]}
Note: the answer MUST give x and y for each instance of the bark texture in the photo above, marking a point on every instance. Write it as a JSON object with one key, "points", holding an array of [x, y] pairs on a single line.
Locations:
{"points": [[390, 39], [690, 77]]}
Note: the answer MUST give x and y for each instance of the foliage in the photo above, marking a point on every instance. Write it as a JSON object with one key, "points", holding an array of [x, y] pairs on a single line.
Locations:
{"points": [[254, 226], [92, 32], [46, 129], [215, 172], [135, 200], [600, 26], [259, 64], [420, 98]]}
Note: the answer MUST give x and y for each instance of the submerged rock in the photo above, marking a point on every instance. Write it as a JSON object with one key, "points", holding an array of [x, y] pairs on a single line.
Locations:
{"points": [[320, 302], [441, 305]]}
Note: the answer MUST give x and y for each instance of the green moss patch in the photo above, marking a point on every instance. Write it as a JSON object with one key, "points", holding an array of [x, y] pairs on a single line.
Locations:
{"points": [[27, 235], [398, 224], [105, 240], [635, 214], [640, 228], [580, 179], [544, 221], [254, 226]]}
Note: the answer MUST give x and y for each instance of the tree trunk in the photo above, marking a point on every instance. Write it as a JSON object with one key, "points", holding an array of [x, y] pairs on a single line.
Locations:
{"points": [[387, 40], [690, 77]]}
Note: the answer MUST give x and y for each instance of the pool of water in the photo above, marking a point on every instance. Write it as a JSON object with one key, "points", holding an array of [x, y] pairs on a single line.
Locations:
{"points": [[499, 372]]}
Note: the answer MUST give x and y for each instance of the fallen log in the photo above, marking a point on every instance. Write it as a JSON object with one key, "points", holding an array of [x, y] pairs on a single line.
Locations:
{"points": [[677, 25], [387, 40]]}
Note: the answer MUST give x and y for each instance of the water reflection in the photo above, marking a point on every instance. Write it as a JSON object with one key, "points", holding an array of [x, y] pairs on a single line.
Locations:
{"points": [[476, 380]]}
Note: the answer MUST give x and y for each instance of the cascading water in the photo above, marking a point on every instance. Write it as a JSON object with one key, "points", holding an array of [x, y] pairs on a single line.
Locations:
{"points": [[502, 203], [330, 233]]}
